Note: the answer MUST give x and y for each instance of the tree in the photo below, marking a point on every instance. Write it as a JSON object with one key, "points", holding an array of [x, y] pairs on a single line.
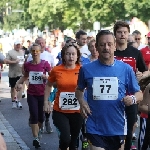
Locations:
{"points": [[73, 14], [45, 12], [139, 9], [26, 20]]}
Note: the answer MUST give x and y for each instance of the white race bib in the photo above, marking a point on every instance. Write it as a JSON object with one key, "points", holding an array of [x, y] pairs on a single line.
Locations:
{"points": [[35, 77], [68, 101], [21, 59], [105, 88]]}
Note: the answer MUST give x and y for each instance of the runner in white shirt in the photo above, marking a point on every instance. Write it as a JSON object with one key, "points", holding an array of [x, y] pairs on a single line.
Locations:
{"points": [[56, 50], [48, 57], [137, 35], [81, 38]]}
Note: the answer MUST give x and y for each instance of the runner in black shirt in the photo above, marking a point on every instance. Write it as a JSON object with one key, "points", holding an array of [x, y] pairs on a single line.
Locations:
{"points": [[133, 57]]}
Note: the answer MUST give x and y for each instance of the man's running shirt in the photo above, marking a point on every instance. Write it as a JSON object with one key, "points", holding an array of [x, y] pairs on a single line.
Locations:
{"points": [[108, 116], [66, 80], [131, 52], [146, 55], [36, 83]]}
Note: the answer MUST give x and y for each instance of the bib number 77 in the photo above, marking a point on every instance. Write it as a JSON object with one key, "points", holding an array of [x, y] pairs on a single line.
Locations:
{"points": [[105, 88]]}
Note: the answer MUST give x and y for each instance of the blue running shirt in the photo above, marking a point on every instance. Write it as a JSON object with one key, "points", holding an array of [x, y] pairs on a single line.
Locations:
{"points": [[108, 116]]}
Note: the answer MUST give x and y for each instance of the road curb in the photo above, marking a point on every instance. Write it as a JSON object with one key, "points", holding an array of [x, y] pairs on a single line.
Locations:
{"points": [[12, 139]]}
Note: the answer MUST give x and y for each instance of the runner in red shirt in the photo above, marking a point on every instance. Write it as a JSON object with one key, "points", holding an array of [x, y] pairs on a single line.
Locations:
{"points": [[146, 51], [144, 139]]}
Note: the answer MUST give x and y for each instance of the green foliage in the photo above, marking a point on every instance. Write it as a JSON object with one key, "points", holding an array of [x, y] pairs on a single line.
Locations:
{"points": [[139, 8], [73, 14]]}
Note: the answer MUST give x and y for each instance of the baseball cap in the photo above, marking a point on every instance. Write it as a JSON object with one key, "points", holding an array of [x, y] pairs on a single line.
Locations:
{"points": [[148, 35], [17, 42]]}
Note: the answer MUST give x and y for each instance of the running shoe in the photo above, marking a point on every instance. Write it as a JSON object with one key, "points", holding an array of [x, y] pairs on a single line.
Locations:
{"points": [[40, 134], [23, 95], [85, 144], [133, 147], [42, 129], [134, 137], [36, 143], [14, 104], [48, 128], [19, 104]]}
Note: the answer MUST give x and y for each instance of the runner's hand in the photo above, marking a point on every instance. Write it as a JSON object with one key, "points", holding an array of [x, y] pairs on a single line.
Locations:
{"points": [[127, 100], [17, 61], [44, 76], [47, 107], [85, 109], [18, 87], [138, 74]]}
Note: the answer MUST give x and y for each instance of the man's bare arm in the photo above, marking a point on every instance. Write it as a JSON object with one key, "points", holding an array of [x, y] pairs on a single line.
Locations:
{"points": [[84, 107]]}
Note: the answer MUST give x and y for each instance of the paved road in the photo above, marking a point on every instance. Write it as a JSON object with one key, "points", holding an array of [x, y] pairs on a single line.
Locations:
{"points": [[19, 121]]}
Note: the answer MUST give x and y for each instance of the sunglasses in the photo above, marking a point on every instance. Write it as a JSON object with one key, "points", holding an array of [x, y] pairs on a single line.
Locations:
{"points": [[71, 44], [71, 40], [137, 39]]}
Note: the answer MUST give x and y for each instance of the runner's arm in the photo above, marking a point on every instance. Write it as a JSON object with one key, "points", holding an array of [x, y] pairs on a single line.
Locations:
{"points": [[79, 95], [143, 108], [143, 105], [47, 91], [84, 107], [22, 79], [2, 143], [6, 61]]}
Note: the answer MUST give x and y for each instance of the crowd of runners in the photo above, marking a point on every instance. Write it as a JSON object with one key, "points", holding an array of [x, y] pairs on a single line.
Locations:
{"points": [[96, 88]]}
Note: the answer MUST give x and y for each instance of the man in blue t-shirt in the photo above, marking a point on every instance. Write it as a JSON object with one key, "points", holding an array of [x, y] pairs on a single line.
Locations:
{"points": [[107, 81]]}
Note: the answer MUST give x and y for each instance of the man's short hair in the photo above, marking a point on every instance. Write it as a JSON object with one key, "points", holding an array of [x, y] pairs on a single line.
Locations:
{"points": [[91, 41], [119, 24], [80, 32], [101, 33], [136, 32], [39, 38]]}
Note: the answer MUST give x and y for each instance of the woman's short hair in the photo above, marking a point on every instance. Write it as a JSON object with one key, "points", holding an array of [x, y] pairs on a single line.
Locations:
{"points": [[90, 42]]}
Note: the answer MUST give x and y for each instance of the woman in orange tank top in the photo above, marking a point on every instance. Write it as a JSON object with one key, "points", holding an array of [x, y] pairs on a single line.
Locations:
{"points": [[66, 110]]}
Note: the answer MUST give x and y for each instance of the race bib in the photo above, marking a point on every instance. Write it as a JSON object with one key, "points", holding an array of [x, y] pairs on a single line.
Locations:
{"points": [[35, 77], [21, 60], [68, 101], [105, 88]]}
